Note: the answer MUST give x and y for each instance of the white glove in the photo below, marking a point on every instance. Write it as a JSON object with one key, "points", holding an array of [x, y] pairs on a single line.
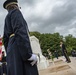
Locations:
{"points": [[33, 58]]}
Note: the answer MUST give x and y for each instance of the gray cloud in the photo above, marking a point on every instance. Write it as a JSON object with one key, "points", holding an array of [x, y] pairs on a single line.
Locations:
{"points": [[61, 16], [29, 2], [47, 16]]}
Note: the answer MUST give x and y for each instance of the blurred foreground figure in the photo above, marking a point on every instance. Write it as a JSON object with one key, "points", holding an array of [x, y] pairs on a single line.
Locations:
{"points": [[64, 52], [20, 59], [4, 66]]}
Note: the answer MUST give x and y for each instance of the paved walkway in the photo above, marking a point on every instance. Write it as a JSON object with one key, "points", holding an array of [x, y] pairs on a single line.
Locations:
{"points": [[60, 67]]}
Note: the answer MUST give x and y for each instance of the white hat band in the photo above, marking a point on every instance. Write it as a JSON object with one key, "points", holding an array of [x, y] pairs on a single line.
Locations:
{"points": [[10, 4]]}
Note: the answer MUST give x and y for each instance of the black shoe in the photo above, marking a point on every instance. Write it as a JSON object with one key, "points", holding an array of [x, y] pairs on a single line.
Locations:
{"points": [[68, 61]]}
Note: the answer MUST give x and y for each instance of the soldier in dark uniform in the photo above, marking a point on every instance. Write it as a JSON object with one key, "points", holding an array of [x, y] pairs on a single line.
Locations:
{"points": [[64, 52], [20, 59]]}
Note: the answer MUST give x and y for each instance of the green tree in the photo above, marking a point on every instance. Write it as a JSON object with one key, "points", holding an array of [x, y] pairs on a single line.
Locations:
{"points": [[70, 42], [52, 42]]}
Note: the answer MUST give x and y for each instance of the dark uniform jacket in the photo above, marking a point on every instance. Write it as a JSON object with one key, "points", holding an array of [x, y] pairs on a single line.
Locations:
{"points": [[63, 47], [18, 46]]}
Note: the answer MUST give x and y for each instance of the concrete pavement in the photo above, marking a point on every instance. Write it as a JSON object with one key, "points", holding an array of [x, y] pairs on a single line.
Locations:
{"points": [[60, 67]]}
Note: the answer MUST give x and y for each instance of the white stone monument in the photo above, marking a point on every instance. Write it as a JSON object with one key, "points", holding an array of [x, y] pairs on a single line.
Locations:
{"points": [[42, 63]]}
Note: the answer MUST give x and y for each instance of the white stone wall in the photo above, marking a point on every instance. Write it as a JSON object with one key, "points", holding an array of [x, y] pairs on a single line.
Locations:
{"points": [[42, 63]]}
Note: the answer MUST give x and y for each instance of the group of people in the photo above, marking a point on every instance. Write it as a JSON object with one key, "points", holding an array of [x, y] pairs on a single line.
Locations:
{"points": [[63, 52]]}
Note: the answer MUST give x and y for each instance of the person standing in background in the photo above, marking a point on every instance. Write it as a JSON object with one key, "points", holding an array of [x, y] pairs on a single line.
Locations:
{"points": [[56, 54], [64, 52], [20, 59]]}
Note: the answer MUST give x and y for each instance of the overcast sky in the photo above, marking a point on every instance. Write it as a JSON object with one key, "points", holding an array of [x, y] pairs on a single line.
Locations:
{"points": [[46, 16]]}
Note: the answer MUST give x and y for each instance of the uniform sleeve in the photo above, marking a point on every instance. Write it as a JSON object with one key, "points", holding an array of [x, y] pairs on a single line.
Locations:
{"points": [[20, 30]]}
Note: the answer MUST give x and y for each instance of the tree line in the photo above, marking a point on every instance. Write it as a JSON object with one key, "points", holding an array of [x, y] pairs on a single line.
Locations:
{"points": [[52, 42]]}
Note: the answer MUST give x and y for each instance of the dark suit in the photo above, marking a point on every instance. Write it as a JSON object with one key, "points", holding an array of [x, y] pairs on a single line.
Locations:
{"points": [[64, 52], [18, 46]]}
